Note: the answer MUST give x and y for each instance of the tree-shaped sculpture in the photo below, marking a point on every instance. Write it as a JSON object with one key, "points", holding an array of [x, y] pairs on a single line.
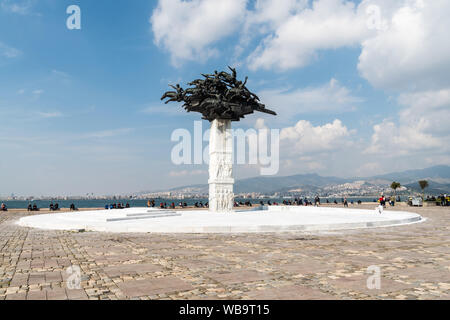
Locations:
{"points": [[218, 96]]}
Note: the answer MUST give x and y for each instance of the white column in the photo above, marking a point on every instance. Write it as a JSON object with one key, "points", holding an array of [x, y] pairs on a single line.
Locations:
{"points": [[221, 197]]}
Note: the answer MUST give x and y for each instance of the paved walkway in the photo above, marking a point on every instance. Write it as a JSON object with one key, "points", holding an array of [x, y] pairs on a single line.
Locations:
{"points": [[414, 262]]}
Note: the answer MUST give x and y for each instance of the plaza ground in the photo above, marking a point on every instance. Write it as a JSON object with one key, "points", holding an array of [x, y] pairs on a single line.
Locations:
{"points": [[414, 261]]}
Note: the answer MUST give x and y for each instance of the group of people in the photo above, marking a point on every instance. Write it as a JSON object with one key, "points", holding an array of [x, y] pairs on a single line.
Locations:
{"points": [[33, 207], [54, 207], [240, 203], [441, 200], [3, 207], [390, 200], [117, 206], [165, 205]]}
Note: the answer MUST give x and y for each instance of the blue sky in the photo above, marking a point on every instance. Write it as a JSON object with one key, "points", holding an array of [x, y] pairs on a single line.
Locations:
{"points": [[80, 110]]}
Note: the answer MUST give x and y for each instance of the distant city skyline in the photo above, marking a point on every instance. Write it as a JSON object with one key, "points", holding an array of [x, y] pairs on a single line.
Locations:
{"points": [[360, 87]]}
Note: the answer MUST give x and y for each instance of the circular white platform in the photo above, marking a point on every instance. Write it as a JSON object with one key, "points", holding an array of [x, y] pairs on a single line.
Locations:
{"points": [[272, 219]]}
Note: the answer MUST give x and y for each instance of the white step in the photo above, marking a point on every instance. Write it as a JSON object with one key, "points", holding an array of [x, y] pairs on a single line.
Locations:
{"points": [[150, 212], [144, 217]]}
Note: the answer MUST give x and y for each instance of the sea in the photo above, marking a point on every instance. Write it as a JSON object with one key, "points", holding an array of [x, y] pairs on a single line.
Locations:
{"points": [[101, 203]]}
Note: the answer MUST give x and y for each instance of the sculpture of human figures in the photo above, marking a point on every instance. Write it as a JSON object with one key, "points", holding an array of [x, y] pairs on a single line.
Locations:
{"points": [[218, 96], [222, 201], [228, 171], [218, 171]]}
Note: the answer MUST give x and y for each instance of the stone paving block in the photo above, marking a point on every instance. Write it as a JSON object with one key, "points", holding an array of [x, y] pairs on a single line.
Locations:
{"points": [[37, 295], [240, 276], [36, 278], [127, 269], [306, 267], [423, 273], [54, 276], [51, 263], [16, 296], [76, 294], [359, 284], [19, 280], [289, 292], [56, 294], [138, 288]]}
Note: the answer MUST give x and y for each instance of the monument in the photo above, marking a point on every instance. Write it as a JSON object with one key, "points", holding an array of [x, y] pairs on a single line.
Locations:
{"points": [[221, 98]]}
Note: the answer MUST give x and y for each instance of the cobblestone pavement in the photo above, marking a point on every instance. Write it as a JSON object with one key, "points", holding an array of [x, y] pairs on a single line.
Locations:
{"points": [[414, 263]]}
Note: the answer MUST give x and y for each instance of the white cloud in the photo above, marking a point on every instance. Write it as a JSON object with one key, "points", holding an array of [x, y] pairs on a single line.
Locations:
{"points": [[269, 14], [413, 52], [304, 138], [391, 139], [9, 52], [331, 96], [328, 24], [422, 125], [47, 115], [108, 133], [22, 7], [430, 99], [187, 29]]}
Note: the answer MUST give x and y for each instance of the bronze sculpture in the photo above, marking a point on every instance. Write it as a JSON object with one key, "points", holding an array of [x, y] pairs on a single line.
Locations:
{"points": [[218, 96]]}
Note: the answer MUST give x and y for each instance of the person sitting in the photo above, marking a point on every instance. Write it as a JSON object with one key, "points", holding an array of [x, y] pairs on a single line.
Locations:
{"points": [[56, 207], [35, 208], [127, 205], [161, 205], [30, 207], [3, 207], [106, 207], [335, 202], [72, 207], [51, 206]]}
